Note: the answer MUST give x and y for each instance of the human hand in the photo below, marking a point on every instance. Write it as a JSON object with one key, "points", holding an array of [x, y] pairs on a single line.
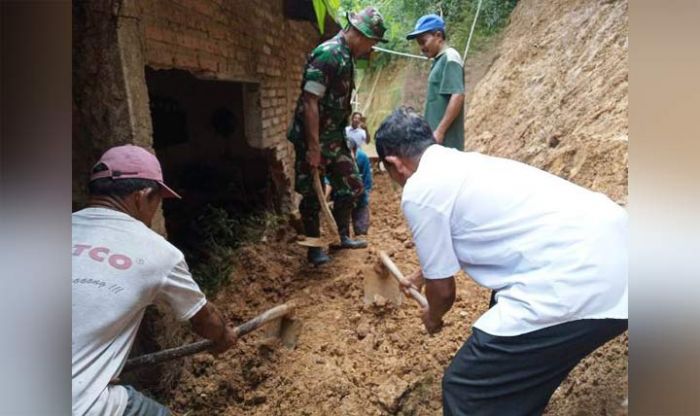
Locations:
{"points": [[431, 326], [439, 136], [313, 157], [414, 280], [227, 340]]}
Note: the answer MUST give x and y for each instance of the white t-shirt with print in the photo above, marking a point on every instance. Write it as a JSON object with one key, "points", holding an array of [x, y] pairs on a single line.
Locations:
{"points": [[554, 251], [120, 266], [358, 135]]}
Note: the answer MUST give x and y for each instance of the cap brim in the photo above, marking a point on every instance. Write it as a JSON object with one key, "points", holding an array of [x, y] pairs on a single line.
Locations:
{"points": [[416, 33], [166, 192]]}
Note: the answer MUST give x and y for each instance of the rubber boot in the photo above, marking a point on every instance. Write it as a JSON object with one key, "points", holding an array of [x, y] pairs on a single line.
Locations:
{"points": [[314, 255], [341, 213]]}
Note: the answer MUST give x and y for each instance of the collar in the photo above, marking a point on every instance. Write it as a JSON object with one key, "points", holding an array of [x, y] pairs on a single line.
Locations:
{"points": [[427, 154], [444, 49], [343, 42]]}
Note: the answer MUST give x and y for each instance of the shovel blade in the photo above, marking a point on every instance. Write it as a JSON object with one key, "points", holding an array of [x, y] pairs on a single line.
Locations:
{"points": [[285, 330], [379, 285], [290, 328], [313, 242]]}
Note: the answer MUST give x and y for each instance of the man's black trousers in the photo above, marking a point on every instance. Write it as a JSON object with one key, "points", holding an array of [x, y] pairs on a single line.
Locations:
{"points": [[514, 376]]}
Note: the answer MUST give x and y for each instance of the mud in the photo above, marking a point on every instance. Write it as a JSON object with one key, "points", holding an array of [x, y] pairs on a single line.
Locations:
{"points": [[352, 358]]}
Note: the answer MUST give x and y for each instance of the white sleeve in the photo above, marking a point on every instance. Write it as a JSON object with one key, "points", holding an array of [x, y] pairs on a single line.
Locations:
{"points": [[315, 88], [433, 238], [181, 292]]}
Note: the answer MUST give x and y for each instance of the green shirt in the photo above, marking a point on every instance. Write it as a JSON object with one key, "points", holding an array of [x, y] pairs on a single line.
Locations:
{"points": [[446, 78]]}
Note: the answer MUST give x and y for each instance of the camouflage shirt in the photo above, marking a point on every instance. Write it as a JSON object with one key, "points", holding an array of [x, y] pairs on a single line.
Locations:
{"points": [[329, 74]]}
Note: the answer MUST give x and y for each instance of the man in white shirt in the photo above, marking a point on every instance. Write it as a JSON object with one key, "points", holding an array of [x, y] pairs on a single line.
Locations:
{"points": [[554, 252], [120, 266], [355, 132]]}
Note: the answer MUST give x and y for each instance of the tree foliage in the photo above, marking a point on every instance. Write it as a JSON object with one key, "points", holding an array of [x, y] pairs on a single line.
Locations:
{"points": [[323, 7], [400, 18]]}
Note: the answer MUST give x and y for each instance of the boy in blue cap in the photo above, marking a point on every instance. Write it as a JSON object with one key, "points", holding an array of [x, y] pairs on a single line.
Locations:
{"points": [[444, 104]]}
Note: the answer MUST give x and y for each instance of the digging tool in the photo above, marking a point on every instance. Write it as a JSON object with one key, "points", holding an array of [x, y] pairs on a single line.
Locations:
{"points": [[313, 242], [327, 217], [378, 284], [415, 294], [287, 331]]}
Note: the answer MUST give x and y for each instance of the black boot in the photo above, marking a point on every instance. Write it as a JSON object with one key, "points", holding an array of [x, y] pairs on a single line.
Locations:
{"points": [[312, 227], [316, 256], [341, 213]]}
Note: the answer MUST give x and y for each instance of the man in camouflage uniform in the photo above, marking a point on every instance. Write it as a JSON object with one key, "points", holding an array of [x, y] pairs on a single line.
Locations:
{"points": [[318, 128]]}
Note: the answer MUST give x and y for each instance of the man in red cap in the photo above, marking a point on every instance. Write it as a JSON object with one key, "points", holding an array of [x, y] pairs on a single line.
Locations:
{"points": [[120, 266]]}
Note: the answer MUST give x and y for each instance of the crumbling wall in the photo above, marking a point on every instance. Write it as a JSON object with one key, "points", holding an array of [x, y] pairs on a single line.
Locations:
{"points": [[245, 41], [238, 41], [556, 97], [114, 40], [110, 99], [102, 106]]}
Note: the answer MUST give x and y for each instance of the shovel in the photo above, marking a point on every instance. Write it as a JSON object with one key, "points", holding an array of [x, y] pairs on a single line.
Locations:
{"points": [[378, 284], [286, 328], [327, 217]]}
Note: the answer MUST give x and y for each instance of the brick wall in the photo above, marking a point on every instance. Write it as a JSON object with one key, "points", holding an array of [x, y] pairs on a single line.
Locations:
{"points": [[236, 40], [240, 40], [232, 40]]}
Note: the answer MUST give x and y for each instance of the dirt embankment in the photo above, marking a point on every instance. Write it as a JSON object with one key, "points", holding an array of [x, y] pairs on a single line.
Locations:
{"points": [[556, 96]]}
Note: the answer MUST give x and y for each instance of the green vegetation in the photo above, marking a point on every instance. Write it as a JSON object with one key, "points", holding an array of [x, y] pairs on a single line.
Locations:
{"points": [[401, 15], [323, 7], [215, 235]]}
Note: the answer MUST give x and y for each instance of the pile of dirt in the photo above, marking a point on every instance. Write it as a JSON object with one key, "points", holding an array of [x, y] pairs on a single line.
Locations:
{"points": [[353, 359], [557, 95]]}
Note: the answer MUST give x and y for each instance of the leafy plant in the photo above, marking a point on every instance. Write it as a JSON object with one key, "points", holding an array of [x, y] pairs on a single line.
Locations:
{"points": [[214, 236], [323, 7], [400, 17]]}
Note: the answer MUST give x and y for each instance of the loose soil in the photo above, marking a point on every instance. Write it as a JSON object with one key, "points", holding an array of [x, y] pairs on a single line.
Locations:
{"points": [[353, 359], [554, 95]]}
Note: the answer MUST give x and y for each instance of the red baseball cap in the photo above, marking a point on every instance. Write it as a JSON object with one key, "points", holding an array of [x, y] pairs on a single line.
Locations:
{"points": [[132, 162]]}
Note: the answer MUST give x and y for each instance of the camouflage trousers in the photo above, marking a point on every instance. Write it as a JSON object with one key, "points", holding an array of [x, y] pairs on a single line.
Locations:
{"points": [[338, 166]]}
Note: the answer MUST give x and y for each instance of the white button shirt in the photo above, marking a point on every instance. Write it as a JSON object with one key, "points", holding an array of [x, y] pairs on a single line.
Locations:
{"points": [[554, 251]]}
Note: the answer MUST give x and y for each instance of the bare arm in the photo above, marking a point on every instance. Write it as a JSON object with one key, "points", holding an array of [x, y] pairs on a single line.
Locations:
{"points": [[441, 295], [311, 128], [368, 138], [454, 106], [210, 324]]}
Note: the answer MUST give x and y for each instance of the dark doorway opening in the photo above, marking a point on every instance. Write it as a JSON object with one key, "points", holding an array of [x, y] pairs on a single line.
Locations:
{"points": [[199, 134]]}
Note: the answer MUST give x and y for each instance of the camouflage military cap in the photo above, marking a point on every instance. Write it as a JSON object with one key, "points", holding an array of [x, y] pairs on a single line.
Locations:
{"points": [[369, 22]]}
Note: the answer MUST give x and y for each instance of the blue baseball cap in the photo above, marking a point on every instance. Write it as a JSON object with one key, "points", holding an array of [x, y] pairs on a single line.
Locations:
{"points": [[427, 23]]}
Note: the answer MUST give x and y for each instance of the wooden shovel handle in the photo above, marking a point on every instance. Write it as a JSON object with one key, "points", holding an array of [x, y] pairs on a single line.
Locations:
{"points": [[386, 260], [325, 210], [199, 346]]}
